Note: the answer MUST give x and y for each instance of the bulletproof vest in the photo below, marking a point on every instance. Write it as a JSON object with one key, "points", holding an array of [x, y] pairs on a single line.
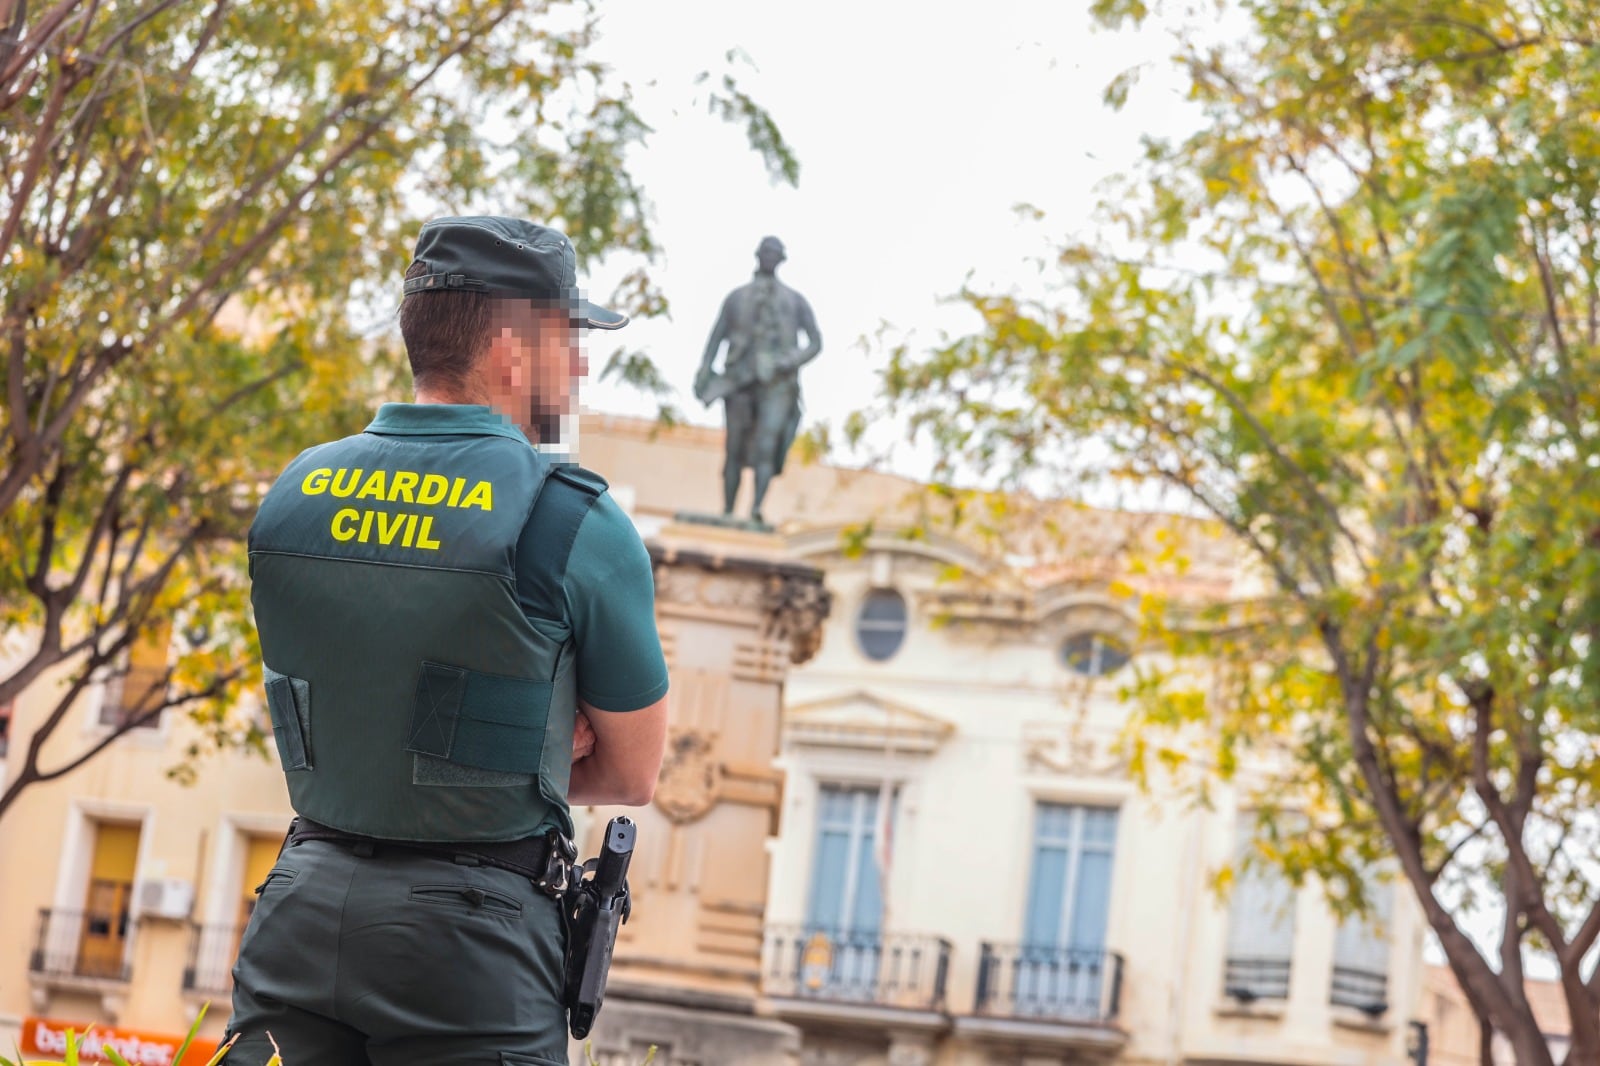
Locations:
{"points": [[412, 696]]}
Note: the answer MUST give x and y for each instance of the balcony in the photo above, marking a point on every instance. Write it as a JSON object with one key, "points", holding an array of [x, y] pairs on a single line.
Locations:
{"points": [[843, 976], [82, 952], [1248, 979], [212, 949], [1048, 998], [1365, 990], [82, 944], [1028, 981]]}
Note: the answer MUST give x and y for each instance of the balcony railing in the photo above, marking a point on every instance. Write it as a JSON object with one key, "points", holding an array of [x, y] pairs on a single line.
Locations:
{"points": [[82, 944], [212, 949], [1249, 978], [1365, 990], [869, 968], [1049, 983]]}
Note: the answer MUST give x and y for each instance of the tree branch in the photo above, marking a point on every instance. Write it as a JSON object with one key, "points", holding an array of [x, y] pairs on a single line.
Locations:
{"points": [[31, 168], [1523, 885], [218, 685], [1311, 493], [1455, 849], [1478, 982], [17, 53]]}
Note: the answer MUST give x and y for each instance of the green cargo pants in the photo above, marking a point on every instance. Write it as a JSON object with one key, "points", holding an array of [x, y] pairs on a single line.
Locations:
{"points": [[395, 959]]}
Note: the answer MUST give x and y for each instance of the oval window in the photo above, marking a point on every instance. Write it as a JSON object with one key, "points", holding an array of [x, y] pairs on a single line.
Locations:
{"points": [[881, 624], [1094, 654]]}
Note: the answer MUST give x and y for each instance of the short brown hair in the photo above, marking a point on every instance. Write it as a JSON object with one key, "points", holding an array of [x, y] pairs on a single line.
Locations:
{"points": [[445, 334]]}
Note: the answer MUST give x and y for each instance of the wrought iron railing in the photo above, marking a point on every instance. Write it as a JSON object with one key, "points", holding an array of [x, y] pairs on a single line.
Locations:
{"points": [[1047, 982], [1249, 978], [212, 948], [850, 966], [1365, 990], [83, 944]]}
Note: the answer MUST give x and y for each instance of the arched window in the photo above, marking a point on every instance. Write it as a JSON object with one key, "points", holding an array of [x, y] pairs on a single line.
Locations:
{"points": [[881, 624], [1094, 653]]}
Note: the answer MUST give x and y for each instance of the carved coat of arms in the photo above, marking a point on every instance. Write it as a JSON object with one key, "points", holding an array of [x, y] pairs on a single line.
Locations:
{"points": [[687, 787]]}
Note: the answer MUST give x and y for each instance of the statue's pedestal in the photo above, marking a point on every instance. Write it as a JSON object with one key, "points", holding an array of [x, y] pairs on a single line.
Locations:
{"points": [[734, 614]]}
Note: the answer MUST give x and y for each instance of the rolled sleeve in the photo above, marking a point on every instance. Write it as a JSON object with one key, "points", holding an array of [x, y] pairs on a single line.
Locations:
{"points": [[610, 590]]}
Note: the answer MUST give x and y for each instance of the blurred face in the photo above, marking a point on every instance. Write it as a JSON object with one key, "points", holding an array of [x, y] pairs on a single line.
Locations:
{"points": [[533, 365]]}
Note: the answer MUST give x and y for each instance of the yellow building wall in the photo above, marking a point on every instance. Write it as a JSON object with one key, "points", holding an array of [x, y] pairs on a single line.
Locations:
{"points": [[120, 816]]}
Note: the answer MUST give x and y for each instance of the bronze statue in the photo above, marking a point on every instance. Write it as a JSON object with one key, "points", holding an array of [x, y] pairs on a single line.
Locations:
{"points": [[760, 381]]}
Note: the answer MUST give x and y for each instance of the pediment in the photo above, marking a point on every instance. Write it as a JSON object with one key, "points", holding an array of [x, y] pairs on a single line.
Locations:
{"points": [[824, 541], [865, 721], [1086, 608]]}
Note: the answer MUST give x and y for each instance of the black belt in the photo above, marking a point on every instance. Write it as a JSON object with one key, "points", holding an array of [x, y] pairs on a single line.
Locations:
{"points": [[546, 860]]}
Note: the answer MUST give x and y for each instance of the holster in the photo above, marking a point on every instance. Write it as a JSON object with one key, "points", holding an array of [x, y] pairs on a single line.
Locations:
{"points": [[594, 907]]}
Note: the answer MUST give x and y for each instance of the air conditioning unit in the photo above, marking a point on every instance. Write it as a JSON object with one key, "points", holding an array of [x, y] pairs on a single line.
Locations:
{"points": [[165, 897]]}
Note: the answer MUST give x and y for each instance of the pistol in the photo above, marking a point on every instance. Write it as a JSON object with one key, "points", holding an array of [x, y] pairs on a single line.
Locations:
{"points": [[596, 907]]}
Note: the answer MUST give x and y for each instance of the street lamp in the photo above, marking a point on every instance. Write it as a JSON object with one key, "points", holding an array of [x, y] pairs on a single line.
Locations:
{"points": [[1417, 1043]]}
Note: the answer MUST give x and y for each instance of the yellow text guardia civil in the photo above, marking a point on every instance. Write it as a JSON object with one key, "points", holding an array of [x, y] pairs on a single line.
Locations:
{"points": [[406, 529]]}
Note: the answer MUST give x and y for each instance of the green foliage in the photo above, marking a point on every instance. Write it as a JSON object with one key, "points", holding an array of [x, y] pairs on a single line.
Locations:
{"points": [[200, 198], [590, 1059], [1355, 319], [638, 370], [734, 105]]}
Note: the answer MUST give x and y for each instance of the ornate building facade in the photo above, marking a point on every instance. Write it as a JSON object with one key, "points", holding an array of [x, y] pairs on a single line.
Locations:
{"points": [[942, 860], [964, 871]]}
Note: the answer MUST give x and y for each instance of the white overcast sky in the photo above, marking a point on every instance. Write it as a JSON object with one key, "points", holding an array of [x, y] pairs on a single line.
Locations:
{"points": [[919, 127]]}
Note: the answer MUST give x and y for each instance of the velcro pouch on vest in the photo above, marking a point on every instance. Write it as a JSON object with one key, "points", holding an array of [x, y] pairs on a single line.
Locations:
{"points": [[289, 703], [482, 721]]}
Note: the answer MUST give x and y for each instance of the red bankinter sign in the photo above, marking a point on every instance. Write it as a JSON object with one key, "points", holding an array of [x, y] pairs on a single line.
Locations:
{"points": [[47, 1036]]}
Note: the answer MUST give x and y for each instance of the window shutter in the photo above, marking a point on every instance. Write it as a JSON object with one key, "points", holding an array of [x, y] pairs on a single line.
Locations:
{"points": [[1260, 924]]}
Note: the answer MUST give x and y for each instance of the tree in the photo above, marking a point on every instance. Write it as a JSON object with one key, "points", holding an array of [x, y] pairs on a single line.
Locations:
{"points": [[199, 199], [1354, 318]]}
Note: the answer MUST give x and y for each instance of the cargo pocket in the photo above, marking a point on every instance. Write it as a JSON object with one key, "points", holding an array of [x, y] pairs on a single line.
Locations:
{"points": [[289, 703], [477, 729]]}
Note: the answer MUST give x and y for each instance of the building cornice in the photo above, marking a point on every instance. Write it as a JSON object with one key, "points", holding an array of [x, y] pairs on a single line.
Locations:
{"points": [[861, 720]]}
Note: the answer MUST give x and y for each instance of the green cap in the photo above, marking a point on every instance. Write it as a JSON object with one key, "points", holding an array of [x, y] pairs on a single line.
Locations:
{"points": [[491, 253]]}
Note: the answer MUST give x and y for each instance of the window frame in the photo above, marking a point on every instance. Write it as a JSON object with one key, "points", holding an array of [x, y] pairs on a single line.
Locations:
{"points": [[1355, 938], [1102, 640], [111, 712], [862, 829], [1076, 844], [1267, 881], [903, 623]]}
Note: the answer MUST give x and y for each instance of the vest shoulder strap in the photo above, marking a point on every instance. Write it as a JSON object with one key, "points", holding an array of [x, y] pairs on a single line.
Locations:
{"points": [[546, 542], [576, 476]]}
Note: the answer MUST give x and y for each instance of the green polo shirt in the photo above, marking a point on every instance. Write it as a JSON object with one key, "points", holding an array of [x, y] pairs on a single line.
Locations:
{"points": [[610, 587]]}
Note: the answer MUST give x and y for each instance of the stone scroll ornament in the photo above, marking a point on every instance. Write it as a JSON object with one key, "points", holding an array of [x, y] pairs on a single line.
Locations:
{"points": [[690, 777], [796, 608]]}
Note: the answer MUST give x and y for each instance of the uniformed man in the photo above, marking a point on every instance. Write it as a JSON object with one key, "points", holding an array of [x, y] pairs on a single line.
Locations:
{"points": [[458, 640], [763, 324]]}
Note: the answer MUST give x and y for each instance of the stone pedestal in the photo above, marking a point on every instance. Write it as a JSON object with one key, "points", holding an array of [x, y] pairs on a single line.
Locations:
{"points": [[734, 615]]}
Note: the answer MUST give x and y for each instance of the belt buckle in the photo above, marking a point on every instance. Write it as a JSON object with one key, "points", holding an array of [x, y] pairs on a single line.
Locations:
{"points": [[558, 865]]}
